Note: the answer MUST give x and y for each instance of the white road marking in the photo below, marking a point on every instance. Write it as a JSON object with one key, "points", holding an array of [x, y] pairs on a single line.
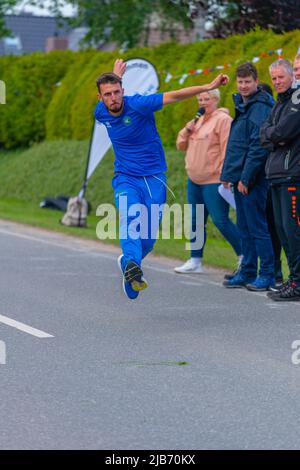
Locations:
{"points": [[160, 270], [281, 305], [187, 276], [190, 283], [274, 305], [25, 328], [40, 240]]}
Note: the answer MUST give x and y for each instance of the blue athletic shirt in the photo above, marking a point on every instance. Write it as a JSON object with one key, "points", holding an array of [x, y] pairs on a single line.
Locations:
{"points": [[136, 142]]}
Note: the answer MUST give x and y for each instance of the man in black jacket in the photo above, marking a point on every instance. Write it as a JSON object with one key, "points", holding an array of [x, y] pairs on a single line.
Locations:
{"points": [[281, 135]]}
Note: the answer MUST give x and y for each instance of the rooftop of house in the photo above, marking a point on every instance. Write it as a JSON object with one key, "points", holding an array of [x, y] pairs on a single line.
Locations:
{"points": [[30, 33]]}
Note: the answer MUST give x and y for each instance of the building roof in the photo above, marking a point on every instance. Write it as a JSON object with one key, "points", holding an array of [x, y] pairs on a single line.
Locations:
{"points": [[32, 32]]}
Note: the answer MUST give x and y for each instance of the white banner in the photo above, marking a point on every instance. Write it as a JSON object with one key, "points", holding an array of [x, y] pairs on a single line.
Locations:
{"points": [[140, 77]]}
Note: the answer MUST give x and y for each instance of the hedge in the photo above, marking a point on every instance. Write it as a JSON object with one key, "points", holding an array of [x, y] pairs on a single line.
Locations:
{"points": [[53, 95], [31, 82]]}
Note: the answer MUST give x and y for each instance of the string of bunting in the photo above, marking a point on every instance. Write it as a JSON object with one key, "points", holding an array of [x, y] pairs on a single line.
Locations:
{"points": [[208, 70]]}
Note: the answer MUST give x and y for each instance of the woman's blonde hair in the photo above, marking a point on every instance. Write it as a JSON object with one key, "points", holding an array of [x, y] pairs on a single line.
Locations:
{"points": [[214, 93]]}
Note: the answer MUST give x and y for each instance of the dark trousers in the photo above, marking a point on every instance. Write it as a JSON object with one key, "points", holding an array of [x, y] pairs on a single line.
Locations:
{"points": [[253, 227], [273, 232], [286, 206]]}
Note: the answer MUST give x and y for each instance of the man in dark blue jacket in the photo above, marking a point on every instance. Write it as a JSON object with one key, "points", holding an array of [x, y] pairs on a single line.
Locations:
{"points": [[244, 169]]}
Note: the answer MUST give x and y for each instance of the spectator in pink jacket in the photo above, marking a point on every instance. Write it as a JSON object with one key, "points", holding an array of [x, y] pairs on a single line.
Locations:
{"points": [[204, 140]]}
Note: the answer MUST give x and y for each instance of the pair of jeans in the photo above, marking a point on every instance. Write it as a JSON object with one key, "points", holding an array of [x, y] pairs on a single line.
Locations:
{"points": [[134, 197], [218, 209], [253, 227], [286, 206]]}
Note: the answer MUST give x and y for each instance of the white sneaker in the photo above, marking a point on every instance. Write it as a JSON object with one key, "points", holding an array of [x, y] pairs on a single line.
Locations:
{"points": [[190, 267]]}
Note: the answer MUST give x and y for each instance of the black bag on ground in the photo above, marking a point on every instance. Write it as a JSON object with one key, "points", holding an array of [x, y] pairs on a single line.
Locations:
{"points": [[58, 203]]}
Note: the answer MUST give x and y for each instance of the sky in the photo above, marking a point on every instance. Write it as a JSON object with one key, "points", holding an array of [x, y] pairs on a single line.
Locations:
{"points": [[68, 10]]}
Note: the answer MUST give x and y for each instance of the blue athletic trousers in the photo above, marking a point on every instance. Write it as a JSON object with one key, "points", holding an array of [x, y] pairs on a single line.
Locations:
{"points": [[134, 196]]}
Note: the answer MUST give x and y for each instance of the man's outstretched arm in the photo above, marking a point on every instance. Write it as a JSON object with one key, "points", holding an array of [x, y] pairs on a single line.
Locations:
{"points": [[182, 94], [189, 92]]}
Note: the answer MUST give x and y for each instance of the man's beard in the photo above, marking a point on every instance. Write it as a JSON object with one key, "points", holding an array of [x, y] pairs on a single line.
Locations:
{"points": [[116, 110]]}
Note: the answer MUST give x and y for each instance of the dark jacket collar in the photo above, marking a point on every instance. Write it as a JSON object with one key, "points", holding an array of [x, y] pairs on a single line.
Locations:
{"points": [[260, 96], [282, 97]]}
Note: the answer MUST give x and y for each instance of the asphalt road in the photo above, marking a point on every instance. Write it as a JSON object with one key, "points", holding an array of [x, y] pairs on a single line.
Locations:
{"points": [[189, 365]]}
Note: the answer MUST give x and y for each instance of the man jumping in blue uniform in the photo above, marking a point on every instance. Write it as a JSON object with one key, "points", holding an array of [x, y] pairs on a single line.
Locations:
{"points": [[140, 164]]}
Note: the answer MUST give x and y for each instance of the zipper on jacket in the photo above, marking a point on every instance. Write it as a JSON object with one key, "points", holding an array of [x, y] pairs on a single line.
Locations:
{"points": [[286, 160]]}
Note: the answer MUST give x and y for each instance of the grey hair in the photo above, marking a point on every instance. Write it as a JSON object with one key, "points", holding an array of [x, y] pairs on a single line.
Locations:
{"points": [[282, 63]]}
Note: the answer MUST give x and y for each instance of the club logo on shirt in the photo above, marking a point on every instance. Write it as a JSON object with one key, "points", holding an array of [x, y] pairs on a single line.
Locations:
{"points": [[108, 124], [127, 120]]}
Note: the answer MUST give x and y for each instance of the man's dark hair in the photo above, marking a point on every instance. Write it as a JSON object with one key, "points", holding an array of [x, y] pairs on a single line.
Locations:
{"points": [[108, 78], [266, 87], [246, 70]]}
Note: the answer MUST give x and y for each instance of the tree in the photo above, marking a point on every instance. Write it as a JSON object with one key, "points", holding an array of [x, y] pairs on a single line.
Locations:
{"points": [[6, 6], [239, 16], [126, 21]]}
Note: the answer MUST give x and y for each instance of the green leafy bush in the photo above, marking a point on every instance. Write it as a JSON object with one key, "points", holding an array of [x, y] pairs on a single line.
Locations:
{"points": [[38, 108], [31, 81]]}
